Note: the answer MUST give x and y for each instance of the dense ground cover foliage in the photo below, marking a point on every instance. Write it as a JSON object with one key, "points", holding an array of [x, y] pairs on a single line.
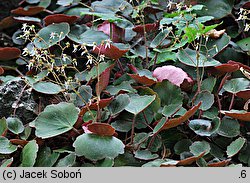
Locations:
{"points": [[125, 83]]}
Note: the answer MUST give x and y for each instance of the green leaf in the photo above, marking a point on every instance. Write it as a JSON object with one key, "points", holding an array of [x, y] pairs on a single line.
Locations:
{"points": [[7, 162], [107, 162], [50, 35], [235, 146], [139, 103], [218, 9], [87, 36], [208, 84], [189, 57], [236, 85], [199, 147], [215, 46], [169, 110], [85, 93], [155, 163], [96, 147], [159, 125], [204, 127], [244, 155], [124, 86], [145, 155], [119, 104], [206, 98], [6, 147], [244, 44], [98, 69], [15, 125], [111, 7], [45, 158], [3, 126], [229, 127], [160, 39], [29, 154], [168, 93], [67, 161], [182, 146], [47, 87], [56, 119]]}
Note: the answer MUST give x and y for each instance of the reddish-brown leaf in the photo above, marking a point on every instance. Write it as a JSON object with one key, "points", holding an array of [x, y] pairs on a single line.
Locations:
{"points": [[58, 18], [94, 106], [8, 53], [118, 34], [244, 94], [224, 68], [142, 79], [19, 142], [190, 160], [102, 129], [32, 10], [148, 28], [240, 116], [171, 73], [7, 22], [177, 121], [1, 70], [246, 5], [112, 52], [103, 81], [220, 163], [240, 64]]}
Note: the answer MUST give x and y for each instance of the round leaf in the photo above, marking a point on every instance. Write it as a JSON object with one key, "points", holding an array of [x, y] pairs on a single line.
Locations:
{"points": [[119, 104], [199, 147], [6, 147], [96, 147], [29, 154], [145, 155], [244, 44], [46, 87], [67, 161], [14, 125], [189, 57], [204, 127], [50, 35], [235, 146], [82, 36], [236, 85], [229, 127], [182, 146], [139, 103], [206, 98], [56, 119]]}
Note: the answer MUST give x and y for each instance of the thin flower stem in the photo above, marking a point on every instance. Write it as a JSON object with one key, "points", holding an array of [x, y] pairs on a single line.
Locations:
{"points": [[232, 102]]}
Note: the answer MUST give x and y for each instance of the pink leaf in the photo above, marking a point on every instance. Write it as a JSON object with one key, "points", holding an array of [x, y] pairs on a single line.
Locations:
{"points": [[118, 34], [171, 73]]}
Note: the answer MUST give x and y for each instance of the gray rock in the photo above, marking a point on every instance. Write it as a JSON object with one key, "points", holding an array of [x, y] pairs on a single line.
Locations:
{"points": [[9, 97]]}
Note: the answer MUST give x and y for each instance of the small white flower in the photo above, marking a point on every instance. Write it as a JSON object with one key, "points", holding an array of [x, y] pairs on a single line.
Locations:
{"points": [[107, 45], [75, 46], [25, 52], [52, 35], [94, 45], [90, 60], [24, 27], [102, 57]]}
